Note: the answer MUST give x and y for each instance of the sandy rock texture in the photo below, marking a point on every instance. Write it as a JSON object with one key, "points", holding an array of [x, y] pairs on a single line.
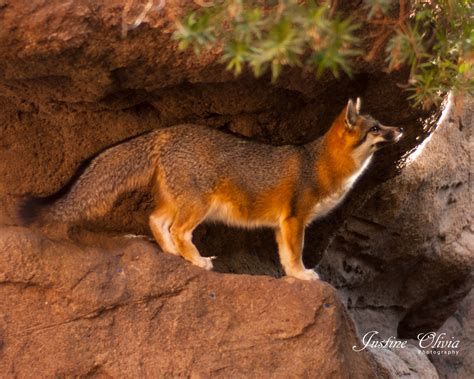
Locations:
{"points": [[461, 325], [125, 310], [75, 78]]}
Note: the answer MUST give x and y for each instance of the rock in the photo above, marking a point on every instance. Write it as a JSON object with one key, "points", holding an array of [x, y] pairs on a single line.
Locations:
{"points": [[122, 309], [459, 326], [406, 363]]}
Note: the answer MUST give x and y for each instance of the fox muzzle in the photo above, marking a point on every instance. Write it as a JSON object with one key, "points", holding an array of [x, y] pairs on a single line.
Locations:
{"points": [[391, 134]]}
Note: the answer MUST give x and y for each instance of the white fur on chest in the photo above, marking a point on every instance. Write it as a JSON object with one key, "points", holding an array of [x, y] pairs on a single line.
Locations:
{"points": [[324, 206]]}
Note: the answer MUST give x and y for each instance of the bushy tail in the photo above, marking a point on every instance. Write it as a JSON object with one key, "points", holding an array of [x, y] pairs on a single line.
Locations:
{"points": [[119, 169]]}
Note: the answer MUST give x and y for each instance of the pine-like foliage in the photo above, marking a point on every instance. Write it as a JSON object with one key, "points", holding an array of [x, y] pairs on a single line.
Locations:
{"points": [[431, 37]]}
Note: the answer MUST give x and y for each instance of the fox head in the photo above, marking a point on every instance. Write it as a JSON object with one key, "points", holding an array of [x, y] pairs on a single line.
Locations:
{"points": [[364, 134]]}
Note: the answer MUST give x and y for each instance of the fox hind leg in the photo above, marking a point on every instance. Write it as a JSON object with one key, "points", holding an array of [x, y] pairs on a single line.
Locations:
{"points": [[160, 222], [181, 230], [290, 236]]}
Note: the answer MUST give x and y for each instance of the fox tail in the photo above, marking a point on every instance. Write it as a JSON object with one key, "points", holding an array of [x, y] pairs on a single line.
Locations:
{"points": [[121, 168]]}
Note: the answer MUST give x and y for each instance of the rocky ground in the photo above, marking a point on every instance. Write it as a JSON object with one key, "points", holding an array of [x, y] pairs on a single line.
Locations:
{"points": [[123, 309], [399, 251]]}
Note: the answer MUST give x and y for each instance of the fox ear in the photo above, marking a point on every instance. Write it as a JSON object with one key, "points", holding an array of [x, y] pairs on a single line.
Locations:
{"points": [[358, 105], [351, 114]]}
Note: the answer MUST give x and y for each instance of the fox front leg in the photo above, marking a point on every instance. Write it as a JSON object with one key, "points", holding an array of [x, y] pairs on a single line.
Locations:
{"points": [[290, 236]]}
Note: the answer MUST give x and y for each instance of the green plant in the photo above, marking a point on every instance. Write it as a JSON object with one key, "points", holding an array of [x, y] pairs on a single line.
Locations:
{"points": [[431, 37], [435, 43]]}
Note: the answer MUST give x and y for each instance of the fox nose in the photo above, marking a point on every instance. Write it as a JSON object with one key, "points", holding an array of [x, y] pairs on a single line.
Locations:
{"points": [[398, 134]]}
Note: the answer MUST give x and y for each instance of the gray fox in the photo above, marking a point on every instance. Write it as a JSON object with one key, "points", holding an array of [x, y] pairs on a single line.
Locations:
{"points": [[199, 173]]}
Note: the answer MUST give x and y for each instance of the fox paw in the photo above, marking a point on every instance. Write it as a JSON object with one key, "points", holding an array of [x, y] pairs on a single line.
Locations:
{"points": [[203, 262], [304, 275]]}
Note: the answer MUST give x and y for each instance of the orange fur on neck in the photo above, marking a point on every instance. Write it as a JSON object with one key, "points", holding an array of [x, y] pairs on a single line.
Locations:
{"points": [[336, 163]]}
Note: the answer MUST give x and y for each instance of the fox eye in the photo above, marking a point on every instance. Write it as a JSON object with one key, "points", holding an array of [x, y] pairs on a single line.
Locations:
{"points": [[375, 129]]}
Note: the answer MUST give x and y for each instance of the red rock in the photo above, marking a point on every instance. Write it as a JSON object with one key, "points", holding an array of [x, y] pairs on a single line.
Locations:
{"points": [[123, 309]]}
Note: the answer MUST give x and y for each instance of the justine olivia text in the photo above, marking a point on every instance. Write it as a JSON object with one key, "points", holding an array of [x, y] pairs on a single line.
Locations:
{"points": [[429, 343]]}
